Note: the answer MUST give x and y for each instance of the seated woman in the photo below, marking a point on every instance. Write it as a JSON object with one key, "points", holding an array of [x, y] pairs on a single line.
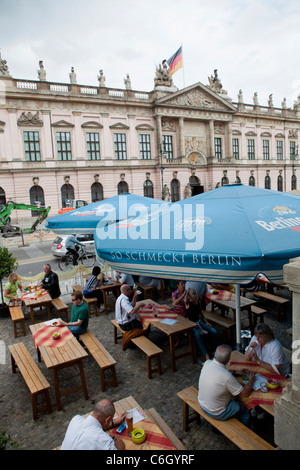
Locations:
{"points": [[11, 288], [267, 351], [194, 314], [91, 287], [178, 296]]}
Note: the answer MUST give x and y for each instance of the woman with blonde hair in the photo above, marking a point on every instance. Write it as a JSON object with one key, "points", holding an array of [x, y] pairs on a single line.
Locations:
{"points": [[11, 288]]}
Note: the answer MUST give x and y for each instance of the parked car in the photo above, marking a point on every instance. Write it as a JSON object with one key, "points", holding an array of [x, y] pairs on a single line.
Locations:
{"points": [[59, 249]]}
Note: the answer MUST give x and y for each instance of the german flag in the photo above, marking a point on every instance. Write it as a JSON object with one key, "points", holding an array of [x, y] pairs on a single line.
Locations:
{"points": [[175, 62]]}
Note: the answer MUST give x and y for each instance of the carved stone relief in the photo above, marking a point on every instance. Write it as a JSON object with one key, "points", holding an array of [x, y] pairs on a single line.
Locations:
{"points": [[29, 119], [198, 99]]}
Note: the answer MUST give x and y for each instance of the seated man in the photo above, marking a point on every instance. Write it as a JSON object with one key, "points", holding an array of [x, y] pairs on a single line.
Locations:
{"points": [[50, 282], [79, 315], [126, 311], [72, 246], [124, 278], [217, 386], [89, 433], [149, 281]]}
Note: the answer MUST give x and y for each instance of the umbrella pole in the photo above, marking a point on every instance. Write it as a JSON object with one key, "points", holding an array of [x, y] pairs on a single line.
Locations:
{"points": [[238, 317]]}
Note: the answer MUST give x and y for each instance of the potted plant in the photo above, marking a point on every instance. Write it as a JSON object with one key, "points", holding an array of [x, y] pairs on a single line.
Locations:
{"points": [[8, 264], [6, 440]]}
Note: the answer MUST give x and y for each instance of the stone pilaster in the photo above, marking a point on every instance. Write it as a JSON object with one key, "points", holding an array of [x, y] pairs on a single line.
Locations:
{"points": [[287, 407]]}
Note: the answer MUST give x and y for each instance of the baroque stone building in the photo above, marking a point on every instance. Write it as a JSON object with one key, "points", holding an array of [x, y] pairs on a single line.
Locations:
{"points": [[61, 141]]}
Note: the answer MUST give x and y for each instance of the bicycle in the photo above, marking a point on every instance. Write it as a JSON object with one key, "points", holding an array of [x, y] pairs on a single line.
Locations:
{"points": [[87, 259]]}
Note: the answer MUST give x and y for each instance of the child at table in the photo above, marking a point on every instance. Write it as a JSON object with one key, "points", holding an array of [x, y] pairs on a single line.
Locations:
{"points": [[194, 314]]}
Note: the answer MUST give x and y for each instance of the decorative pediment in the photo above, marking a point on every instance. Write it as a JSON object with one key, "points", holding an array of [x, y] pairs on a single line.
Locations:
{"points": [[62, 123], [29, 119], [92, 124], [280, 136], [251, 134], [266, 134], [197, 96], [119, 126], [144, 127]]}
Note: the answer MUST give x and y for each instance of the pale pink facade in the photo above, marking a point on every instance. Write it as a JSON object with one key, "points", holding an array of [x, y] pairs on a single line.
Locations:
{"points": [[208, 140]]}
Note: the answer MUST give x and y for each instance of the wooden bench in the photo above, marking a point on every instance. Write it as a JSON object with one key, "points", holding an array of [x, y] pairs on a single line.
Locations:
{"points": [[152, 351], [60, 307], [116, 329], [152, 413], [17, 317], [240, 435], [224, 322], [91, 303], [257, 312], [102, 357], [152, 290], [280, 301], [35, 380]]}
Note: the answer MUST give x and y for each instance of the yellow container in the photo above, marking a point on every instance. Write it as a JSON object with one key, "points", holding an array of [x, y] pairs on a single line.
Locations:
{"points": [[138, 436]]}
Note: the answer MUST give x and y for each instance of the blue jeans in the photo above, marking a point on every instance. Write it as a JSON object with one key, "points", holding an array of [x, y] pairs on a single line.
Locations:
{"points": [[77, 330], [235, 409], [198, 338]]}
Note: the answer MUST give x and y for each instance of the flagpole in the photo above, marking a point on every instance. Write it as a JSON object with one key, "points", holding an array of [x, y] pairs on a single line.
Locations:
{"points": [[182, 66]]}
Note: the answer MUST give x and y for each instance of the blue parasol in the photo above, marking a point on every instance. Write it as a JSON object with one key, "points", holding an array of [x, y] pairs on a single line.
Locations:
{"points": [[227, 235], [87, 218]]}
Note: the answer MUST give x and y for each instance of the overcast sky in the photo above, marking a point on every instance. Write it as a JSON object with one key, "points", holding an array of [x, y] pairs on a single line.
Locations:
{"points": [[254, 44]]}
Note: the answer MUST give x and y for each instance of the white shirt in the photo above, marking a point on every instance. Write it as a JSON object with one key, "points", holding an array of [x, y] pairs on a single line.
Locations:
{"points": [[86, 434], [126, 279], [216, 387], [272, 353], [122, 308]]}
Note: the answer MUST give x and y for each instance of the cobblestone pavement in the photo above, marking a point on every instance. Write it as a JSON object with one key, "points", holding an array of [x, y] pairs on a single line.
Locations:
{"points": [[159, 392]]}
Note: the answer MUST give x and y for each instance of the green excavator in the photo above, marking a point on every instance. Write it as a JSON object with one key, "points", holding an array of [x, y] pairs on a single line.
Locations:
{"points": [[9, 230]]}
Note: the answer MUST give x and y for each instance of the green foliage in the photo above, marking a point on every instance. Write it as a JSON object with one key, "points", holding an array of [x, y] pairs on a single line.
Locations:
{"points": [[5, 440], [8, 264]]}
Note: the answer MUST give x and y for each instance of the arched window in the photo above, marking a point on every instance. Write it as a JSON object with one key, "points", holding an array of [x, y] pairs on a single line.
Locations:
{"points": [[97, 192], [175, 190], [251, 181], [122, 187], [148, 188], [279, 183], [294, 182], [67, 192], [224, 181], [36, 194], [2, 197], [267, 182]]}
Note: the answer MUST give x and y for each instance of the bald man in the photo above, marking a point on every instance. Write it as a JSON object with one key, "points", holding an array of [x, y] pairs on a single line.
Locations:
{"points": [[126, 311], [89, 433]]}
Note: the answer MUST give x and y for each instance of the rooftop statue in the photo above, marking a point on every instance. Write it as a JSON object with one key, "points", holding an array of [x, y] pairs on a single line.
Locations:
{"points": [[162, 76], [3, 68], [215, 83]]}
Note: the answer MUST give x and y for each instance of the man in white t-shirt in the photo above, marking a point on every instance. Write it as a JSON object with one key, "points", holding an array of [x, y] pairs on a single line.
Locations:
{"points": [[217, 387], [89, 433], [126, 311]]}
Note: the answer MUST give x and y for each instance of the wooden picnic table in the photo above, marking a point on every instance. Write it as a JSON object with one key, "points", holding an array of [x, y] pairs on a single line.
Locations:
{"points": [[264, 400], [111, 286], [43, 300], [158, 434], [69, 354], [230, 303], [182, 325]]}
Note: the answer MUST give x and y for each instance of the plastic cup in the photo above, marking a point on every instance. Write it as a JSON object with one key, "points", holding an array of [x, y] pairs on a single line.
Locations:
{"points": [[129, 421]]}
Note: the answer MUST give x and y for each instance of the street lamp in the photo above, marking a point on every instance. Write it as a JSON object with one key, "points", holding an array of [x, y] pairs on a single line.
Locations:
{"points": [[294, 185], [162, 171]]}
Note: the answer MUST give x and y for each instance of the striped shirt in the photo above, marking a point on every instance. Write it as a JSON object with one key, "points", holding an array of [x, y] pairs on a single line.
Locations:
{"points": [[91, 284]]}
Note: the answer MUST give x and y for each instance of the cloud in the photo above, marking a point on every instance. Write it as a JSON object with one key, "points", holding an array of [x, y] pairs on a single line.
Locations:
{"points": [[252, 43]]}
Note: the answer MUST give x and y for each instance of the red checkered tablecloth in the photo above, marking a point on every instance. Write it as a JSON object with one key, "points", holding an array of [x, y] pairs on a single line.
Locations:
{"points": [[33, 295], [154, 437], [44, 336], [146, 315], [257, 397]]}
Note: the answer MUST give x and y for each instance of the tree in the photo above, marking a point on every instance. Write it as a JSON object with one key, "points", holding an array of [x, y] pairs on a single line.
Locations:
{"points": [[8, 264]]}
